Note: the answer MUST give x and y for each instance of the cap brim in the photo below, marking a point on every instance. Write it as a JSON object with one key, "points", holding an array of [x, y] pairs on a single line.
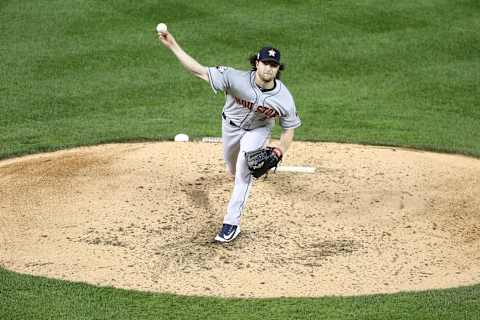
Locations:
{"points": [[270, 60]]}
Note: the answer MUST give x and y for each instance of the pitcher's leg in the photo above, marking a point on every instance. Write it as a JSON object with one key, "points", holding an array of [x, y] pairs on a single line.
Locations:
{"points": [[251, 140], [231, 146], [241, 191]]}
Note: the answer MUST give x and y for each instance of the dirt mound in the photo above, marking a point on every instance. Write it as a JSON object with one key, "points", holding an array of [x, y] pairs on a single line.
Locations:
{"points": [[143, 216]]}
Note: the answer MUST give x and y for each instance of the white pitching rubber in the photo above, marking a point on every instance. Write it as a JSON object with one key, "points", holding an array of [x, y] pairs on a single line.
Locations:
{"points": [[212, 139]]}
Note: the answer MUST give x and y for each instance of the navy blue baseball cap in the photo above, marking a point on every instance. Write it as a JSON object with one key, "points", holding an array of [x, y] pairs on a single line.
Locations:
{"points": [[269, 54]]}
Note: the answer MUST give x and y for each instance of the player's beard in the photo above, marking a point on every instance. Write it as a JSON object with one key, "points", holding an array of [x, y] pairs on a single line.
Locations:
{"points": [[267, 77]]}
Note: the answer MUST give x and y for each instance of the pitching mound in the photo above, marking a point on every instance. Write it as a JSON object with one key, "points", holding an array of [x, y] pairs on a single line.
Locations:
{"points": [[143, 216]]}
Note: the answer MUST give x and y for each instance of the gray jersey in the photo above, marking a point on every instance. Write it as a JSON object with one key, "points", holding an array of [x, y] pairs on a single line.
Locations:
{"points": [[249, 107]]}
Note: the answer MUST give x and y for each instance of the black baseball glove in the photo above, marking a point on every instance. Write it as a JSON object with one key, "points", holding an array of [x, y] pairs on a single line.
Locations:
{"points": [[260, 161]]}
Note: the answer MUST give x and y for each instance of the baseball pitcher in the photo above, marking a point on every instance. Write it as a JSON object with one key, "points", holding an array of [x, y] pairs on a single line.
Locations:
{"points": [[254, 99]]}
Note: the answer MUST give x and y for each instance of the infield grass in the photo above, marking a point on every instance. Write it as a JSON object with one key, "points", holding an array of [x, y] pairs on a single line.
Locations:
{"points": [[377, 72], [76, 73], [27, 297]]}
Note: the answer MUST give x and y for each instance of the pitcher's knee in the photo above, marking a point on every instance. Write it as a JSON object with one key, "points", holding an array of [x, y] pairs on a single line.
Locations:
{"points": [[231, 170]]}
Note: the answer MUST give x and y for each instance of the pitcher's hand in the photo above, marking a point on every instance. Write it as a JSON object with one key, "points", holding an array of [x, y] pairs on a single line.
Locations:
{"points": [[167, 39]]}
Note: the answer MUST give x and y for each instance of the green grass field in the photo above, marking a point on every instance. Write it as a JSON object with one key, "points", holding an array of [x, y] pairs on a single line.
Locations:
{"points": [[76, 73], [26, 297]]}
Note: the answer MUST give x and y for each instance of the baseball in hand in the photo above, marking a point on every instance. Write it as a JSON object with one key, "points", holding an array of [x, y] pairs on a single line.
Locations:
{"points": [[162, 27]]}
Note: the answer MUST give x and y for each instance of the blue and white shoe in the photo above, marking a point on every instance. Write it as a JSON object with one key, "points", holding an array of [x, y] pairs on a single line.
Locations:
{"points": [[228, 233]]}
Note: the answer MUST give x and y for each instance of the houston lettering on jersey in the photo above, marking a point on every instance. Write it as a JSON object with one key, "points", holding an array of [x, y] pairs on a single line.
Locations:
{"points": [[268, 112]]}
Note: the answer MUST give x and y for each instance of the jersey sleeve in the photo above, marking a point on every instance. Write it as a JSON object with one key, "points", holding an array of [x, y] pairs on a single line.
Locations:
{"points": [[219, 78], [290, 120]]}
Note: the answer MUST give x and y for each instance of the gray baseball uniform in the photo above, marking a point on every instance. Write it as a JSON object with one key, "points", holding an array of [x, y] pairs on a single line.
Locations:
{"points": [[248, 117]]}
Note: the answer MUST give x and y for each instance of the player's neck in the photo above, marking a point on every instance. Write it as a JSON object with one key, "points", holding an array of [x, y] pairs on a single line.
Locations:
{"points": [[264, 86]]}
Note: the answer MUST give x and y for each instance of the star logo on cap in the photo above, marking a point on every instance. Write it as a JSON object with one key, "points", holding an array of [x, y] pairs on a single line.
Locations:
{"points": [[271, 53]]}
